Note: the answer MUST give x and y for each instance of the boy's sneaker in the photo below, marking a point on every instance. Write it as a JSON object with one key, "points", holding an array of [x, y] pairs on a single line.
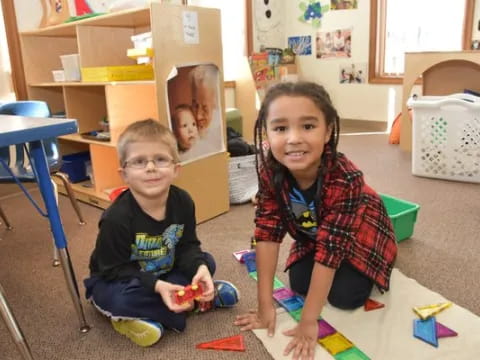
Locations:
{"points": [[226, 295], [141, 332]]}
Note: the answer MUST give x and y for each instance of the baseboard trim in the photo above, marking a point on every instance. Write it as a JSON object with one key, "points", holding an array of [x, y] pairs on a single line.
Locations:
{"points": [[351, 125]]}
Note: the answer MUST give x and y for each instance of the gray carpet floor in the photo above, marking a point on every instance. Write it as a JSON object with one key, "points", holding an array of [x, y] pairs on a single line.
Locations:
{"points": [[442, 255]]}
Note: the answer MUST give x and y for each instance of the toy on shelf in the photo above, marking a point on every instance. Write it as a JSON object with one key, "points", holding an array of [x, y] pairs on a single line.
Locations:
{"points": [[231, 343], [189, 293]]}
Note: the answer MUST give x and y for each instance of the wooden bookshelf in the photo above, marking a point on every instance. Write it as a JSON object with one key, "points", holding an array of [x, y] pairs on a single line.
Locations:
{"points": [[103, 41]]}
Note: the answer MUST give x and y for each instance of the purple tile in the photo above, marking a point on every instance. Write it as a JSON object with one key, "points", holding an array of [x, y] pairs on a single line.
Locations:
{"points": [[282, 293], [443, 331], [325, 329]]}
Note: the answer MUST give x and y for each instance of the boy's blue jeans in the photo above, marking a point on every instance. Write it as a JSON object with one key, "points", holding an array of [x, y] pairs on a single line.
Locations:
{"points": [[129, 299]]}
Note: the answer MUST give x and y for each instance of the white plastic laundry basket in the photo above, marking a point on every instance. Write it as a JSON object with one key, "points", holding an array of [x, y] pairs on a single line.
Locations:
{"points": [[446, 137], [242, 179]]}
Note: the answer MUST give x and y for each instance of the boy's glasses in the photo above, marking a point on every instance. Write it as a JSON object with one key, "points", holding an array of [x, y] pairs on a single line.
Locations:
{"points": [[141, 163]]}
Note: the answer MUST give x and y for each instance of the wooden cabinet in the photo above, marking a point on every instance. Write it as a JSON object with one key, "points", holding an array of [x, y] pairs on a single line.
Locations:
{"points": [[103, 41]]}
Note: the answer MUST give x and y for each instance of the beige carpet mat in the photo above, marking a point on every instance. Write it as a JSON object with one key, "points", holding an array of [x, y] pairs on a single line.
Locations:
{"points": [[387, 333]]}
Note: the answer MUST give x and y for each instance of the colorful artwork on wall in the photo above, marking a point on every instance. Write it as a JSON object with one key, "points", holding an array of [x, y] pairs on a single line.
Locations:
{"points": [[343, 4], [312, 12], [301, 45], [334, 44], [353, 73]]}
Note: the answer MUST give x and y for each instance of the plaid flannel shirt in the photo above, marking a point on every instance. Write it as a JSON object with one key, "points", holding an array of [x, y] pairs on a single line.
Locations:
{"points": [[353, 224]]}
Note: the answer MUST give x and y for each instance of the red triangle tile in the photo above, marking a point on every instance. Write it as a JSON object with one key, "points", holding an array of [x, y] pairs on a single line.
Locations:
{"points": [[231, 343], [371, 304]]}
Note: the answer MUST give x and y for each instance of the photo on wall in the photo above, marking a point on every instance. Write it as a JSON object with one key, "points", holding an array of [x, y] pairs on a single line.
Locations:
{"points": [[195, 111], [334, 44], [353, 73], [301, 45], [343, 4]]}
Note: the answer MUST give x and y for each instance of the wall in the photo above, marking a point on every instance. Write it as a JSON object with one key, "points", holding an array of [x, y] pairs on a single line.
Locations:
{"points": [[353, 101]]}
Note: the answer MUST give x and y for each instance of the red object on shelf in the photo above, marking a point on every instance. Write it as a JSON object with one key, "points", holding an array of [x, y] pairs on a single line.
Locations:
{"points": [[371, 304], [190, 292], [231, 343]]}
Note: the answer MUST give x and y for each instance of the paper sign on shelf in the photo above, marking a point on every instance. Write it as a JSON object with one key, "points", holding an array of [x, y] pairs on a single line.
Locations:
{"points": [[190, 27]]}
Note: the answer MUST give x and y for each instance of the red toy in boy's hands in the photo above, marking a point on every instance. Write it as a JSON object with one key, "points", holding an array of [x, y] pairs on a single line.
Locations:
{"points": [[189, 293]]}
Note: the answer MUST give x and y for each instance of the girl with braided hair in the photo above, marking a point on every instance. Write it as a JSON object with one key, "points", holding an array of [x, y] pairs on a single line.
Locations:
{"points": [[344, 242]]}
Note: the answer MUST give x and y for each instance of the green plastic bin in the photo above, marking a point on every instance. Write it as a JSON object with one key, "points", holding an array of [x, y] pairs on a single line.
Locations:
{"points": [[403, 215]]}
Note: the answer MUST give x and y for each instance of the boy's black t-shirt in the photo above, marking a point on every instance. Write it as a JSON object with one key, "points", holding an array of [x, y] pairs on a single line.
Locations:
{"points": [[132, 244]]}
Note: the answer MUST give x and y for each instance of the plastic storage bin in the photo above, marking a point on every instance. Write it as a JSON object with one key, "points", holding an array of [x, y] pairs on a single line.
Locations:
{"points": [[403, 215], [446, 137], [75, 166]]}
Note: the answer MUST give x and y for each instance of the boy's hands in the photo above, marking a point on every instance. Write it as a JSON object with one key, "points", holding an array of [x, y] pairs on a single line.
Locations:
{"points": [[203, 276], [167, 291], [304, 340], [261, 319]]}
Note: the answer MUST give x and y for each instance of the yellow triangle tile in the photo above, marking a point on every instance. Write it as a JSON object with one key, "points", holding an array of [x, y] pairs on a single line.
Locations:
{"points": [[424, 312]]}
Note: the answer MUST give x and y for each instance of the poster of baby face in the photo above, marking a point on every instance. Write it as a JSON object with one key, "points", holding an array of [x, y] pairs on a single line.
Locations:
{"points": [[196, 118]]}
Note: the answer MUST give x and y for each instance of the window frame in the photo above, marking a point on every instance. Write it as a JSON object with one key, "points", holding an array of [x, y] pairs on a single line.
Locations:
{"points": [[377, 40]]}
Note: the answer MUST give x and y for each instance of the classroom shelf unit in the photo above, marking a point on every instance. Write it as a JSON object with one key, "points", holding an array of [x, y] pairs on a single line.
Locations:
{"points": [[103, 41]]}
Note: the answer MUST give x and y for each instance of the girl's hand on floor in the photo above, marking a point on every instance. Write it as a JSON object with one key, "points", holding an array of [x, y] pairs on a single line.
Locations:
{"points": [[167, 291], [258, 320], [304, 340]]}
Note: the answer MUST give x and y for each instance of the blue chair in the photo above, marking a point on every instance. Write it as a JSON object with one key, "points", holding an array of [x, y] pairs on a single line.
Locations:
{"points": [[19, 168]]}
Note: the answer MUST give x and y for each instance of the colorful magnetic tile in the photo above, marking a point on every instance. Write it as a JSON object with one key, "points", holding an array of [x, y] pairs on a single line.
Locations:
{"points": [[353, 353], [277, 284], [325, 329], [249, 256], [282, 293], [238, 255], [427, 311], [291, 304], [253, 275], [371, 304], [426, 330], [231, 343], [335, 343], [443, 331], [296, 314], [251, 265]]}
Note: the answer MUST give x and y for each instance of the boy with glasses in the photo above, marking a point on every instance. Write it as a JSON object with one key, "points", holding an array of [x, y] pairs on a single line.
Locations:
{"points": [[147, 247]]}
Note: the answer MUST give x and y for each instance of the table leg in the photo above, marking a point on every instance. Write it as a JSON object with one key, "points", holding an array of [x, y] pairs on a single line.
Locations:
{"points": [[44, 182], [13, 327]]}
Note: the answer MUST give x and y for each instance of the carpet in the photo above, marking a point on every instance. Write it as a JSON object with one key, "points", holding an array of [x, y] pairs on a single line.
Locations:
{"points": [[387, 333]]}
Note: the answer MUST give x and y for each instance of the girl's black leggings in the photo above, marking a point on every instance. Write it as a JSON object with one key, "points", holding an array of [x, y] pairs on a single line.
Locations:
{"points": [[350, 288]]}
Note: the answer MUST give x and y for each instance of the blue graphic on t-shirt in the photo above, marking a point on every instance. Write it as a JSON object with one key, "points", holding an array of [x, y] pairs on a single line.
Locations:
{"points": [[156, 253]]}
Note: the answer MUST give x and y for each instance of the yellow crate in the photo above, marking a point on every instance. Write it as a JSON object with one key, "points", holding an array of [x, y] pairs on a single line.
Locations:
{"points": [[117, 73]]}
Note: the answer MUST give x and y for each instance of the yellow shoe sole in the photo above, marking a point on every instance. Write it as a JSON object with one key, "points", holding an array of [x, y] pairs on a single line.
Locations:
{"points": [[141, 332]]}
